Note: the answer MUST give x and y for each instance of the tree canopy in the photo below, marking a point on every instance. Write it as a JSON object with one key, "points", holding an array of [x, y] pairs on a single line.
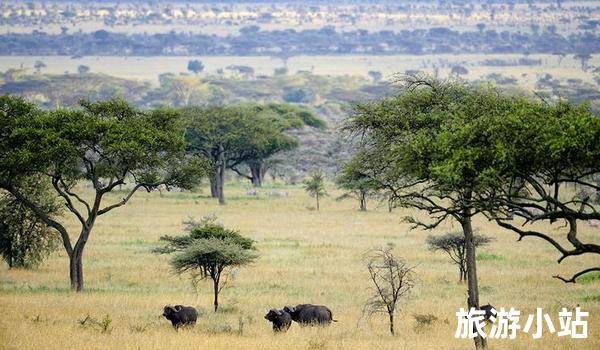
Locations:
{"points": [[105, 144], [209, 251]]}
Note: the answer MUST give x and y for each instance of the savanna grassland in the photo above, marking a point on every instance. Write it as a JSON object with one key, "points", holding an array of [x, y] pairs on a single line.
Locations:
{"points": [[305, 256]]}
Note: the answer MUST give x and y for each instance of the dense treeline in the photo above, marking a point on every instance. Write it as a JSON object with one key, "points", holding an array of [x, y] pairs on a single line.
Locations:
{"points": [[253, 41]]}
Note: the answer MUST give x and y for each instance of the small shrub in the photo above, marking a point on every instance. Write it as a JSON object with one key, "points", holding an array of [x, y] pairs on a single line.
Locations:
{"points": [[104, 325]]}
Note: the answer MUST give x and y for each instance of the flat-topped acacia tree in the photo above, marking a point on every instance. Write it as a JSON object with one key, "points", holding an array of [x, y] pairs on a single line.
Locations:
{"points": [[104, 144], [422, 146]]}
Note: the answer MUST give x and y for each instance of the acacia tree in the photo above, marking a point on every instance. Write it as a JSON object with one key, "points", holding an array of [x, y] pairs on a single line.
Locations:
{"points": [[356, 184], [392, 281], [275, 121], [454, 245], [221, 135], [315, 186], [105, 144], [210, 251], [419, 146], [583, 58]]}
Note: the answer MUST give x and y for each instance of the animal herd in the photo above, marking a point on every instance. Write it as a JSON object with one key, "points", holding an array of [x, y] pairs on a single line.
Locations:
{"points": [[303, 314], [281, 320]]}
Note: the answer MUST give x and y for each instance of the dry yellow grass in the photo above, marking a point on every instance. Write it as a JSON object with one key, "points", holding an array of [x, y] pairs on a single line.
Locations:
{"points": [[306, 256]]}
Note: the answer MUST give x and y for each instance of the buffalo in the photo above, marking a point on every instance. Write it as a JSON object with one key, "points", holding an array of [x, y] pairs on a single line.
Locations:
{"points": [[308, 314], [490, 312], [281, 320], [180, 315]]}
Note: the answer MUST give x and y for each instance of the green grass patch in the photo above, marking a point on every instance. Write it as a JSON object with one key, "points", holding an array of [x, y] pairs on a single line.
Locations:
{"points": [[589, 278], [591, 297], [489, 257]]}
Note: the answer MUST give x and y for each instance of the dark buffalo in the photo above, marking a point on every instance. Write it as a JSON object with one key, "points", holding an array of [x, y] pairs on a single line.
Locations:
{"points": [[307, 314], [180, 315], [281, 320], [490, 312]]}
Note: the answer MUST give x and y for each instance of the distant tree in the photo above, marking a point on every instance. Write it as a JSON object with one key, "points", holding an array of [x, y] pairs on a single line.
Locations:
{"points": [[83, 69], [280, 71], [105, 144], [375, 75], [454, 245], [195, 66], [315, 186], [560, 56], [295, 96], [459, 70], [209, 251], [272, 122], [249, 30], [392, 282], [480, 27], [583, 58], [25, 240], [101, 35], [356, 184], [38, 65], [219, 134]]}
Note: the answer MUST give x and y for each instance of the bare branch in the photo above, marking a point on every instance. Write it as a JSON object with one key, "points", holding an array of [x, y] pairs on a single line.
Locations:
{"points": [[573, 279]]}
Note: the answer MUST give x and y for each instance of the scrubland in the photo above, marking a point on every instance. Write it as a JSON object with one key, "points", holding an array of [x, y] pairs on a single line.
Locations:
{"points": [[305, 257]]}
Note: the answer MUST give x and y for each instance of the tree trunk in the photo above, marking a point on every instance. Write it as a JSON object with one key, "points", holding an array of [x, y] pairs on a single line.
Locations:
{"points": [[317, 201], [392, 323], [220, 177], [473, 290], [76, 270], [213, 186], [256, 174], [216, 291], [220, 184], [363, 201], [76, 257]]}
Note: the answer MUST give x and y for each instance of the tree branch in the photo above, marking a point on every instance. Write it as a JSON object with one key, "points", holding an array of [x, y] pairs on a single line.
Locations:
{"points": [[44, 217], [575, 276], [126, 198]]}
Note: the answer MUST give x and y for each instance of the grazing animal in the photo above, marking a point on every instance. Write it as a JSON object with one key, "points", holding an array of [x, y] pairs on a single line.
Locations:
{"points": [[309, 314], [180, 315], [281, 320], [490, 312]]}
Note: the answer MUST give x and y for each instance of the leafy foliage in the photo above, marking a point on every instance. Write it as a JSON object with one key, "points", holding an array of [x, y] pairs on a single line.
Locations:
{"points": [[25, 241]]}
